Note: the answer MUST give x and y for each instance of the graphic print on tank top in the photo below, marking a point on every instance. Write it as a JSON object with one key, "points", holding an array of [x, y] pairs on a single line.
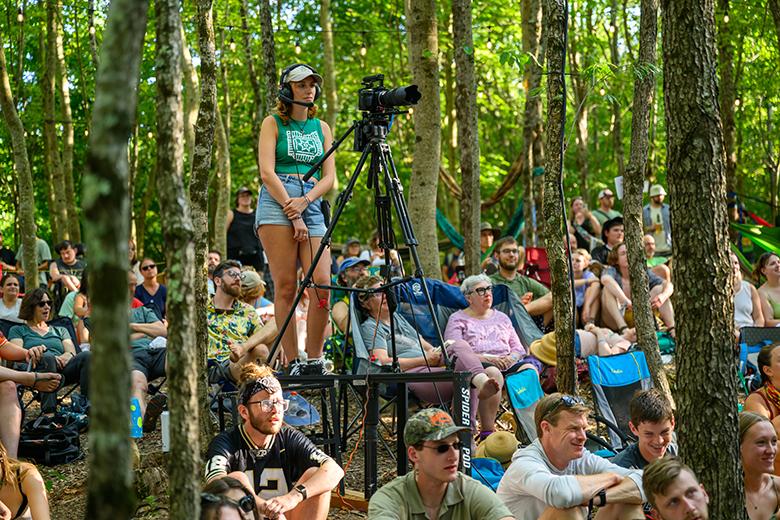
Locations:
{"points": [[303, 146]]}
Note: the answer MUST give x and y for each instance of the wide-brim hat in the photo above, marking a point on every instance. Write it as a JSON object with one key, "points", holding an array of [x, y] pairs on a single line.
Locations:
{"points": [[544, 350], [500, 446], [487, 226], [656, 190]]}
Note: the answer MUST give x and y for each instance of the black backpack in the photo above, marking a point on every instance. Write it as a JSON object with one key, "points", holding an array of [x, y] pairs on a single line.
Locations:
{"points": [[51, 440]]}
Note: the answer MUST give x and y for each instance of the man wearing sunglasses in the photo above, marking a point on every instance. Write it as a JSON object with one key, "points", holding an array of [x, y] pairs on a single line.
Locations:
{"points": [[234, 327], [555, 477], [435, 489], [287, 473]]}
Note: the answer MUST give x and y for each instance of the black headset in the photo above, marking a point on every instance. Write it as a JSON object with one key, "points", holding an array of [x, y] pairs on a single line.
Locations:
{"points": [[285, 92]]}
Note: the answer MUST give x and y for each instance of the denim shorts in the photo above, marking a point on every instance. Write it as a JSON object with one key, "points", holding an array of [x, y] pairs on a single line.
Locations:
{"points": [[270, 212]]}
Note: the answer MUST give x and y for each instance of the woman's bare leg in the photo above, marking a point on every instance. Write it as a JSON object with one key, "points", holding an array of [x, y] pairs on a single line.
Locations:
{"points": [[319, 299], [488, 408], [282, 253]]}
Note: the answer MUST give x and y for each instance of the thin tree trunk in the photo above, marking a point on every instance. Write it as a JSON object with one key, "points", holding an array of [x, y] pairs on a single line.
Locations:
{"points": [[140, 218], [554, 224], [617, 124], [74, 229], [703, 297], [20, 53], [223, 184], [201, 164], [132, 174], [253, 81], [329, 68], [26, 214], [52, 163], [110, 493], [191, 97], [182, 358], [532, 120], [633, 185], [269, 62], [774, 8], [728, 95], [580, 88], [468, 132], [424, 59], [93, 47]]}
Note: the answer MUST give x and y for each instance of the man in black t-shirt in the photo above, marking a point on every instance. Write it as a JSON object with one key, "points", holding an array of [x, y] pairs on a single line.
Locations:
{"points": [[287, 472]]}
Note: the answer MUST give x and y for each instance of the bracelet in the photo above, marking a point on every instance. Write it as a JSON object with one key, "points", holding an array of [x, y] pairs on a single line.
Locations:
{"points": [[306, 198], [295, 218], [35, 378]]}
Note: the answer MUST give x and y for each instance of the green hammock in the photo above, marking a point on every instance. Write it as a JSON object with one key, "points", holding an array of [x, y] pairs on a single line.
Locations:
{"points": [[766, 238], [514, 227]]}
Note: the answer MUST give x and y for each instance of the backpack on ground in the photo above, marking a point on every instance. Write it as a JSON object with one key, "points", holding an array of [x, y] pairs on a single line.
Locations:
{"points": [[51, 440]]}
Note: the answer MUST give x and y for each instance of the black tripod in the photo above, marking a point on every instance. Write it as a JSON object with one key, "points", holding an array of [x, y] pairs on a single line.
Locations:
{"points": [[370, 140]]}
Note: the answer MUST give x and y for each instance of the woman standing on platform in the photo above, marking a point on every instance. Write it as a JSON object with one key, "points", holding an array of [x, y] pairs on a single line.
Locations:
{"points": [[289, 218]]}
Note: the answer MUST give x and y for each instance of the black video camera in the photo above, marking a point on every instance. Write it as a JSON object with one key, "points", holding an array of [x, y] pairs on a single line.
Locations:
{"points": [[374, 97]]}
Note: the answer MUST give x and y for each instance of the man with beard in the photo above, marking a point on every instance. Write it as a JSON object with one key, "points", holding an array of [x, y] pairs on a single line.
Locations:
{"points": [[350, 271], [535, 296], [286, 472], [234, 327], [674, 490], [212, 261], [555, 477]]}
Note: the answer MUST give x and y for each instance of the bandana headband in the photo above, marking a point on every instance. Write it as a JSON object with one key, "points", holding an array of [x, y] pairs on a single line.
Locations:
{"points": [[268, 383]]}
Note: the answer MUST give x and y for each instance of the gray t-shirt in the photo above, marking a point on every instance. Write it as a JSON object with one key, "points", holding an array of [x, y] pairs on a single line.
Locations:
{"points": [[378, 336], [531, 484], [142, 315]]}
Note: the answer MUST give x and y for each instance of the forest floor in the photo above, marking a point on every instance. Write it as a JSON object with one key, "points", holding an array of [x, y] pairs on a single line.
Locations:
{"points": [[67, 484]]}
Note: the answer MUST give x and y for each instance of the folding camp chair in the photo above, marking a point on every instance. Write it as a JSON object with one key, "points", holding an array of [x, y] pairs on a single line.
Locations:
{"points": [[751, 340], [524, 391], [614, 380]]}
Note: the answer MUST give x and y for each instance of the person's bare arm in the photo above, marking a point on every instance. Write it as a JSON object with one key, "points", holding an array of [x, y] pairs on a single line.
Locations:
{"points": [[433, 359], [611, 285], [592, 484], [758, 312], [766, 309], [540, 306], [340, 314], [54, 272], [323, 480], [153, 330], [626, 492], [229, 219], [35, 489]]}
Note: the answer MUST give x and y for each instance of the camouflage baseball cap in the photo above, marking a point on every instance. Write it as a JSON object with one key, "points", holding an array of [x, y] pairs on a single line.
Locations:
{"points": [[431, 424]]}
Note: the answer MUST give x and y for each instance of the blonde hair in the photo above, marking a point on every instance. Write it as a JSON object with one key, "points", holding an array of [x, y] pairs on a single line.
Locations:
{"points": [[746, 421], [584, 253], [283, 111], [10, 468], [550, 407]]}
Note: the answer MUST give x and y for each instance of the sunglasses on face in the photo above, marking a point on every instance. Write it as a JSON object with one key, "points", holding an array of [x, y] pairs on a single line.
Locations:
{"points": [[245, 504], [44, 303], [233, 274], [441, 449], [482, 291], [267, 405], [147, 267]]}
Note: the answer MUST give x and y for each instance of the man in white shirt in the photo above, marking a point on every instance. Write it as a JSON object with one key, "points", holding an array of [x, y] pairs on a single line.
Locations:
{"points": [[557, 478]]}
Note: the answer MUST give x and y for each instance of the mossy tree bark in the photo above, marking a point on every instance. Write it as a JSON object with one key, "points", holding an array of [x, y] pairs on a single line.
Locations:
{"points": [[253, 81], [223, 183], [728, 96], [26, 214], [554, 224], [468, 132], [107, 208], [270, 78], [191, 98], [706, 372], [424, 60], [633, 186], [182, 358], [51, 149], [199, 180]]}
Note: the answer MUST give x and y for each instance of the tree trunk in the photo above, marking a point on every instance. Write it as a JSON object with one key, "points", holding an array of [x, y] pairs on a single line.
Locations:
{"points": [[223, 184], [532, 120], [73, 227], [554, 224], [106, 207], [26, 214], [728, 95], [581, 110], [58, 211], [257, 116], [706, 372], [201, 164], [633, 186], [269, 63], [424, 59], [774, 8], [93, 47], [617, 124], [191, 98], [182, 358], [329, 66], [468, 132]]}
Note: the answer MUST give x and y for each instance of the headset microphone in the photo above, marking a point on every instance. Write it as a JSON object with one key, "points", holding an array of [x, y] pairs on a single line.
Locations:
{"points": [[291, 100]]}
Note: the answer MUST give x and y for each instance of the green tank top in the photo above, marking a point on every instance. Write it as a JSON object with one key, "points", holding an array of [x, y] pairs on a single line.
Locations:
{"points": [[298, 146]]}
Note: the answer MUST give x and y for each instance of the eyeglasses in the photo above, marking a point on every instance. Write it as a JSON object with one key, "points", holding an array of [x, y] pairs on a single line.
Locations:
{"points": [[267, 405], [149, 266], [441, 449], [510, 251], [482, 291], [233, 274], [44, 303]]}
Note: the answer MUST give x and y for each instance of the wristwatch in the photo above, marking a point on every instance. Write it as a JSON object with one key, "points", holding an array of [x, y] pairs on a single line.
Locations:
{"points": [[302, 490]]}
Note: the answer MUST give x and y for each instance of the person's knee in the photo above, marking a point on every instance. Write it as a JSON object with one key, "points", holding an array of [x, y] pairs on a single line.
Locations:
{"points": [[140, 384], [551, 513], [495, 373], [8, 395]]}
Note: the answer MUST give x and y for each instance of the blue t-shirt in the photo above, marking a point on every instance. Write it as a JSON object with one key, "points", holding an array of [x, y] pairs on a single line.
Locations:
{"points": [[579, 292], [155, 301]]}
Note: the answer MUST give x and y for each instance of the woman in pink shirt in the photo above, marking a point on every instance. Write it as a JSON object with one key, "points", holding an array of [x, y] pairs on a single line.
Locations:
{"points": [[491, 335]]}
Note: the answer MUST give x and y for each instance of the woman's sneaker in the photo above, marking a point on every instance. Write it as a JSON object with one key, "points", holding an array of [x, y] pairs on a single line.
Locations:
{"points": [[316, 367]]}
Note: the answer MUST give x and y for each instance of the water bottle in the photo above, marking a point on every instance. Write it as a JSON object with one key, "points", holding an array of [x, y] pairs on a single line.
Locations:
{"points": [[165, 426], [136, 419]]}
